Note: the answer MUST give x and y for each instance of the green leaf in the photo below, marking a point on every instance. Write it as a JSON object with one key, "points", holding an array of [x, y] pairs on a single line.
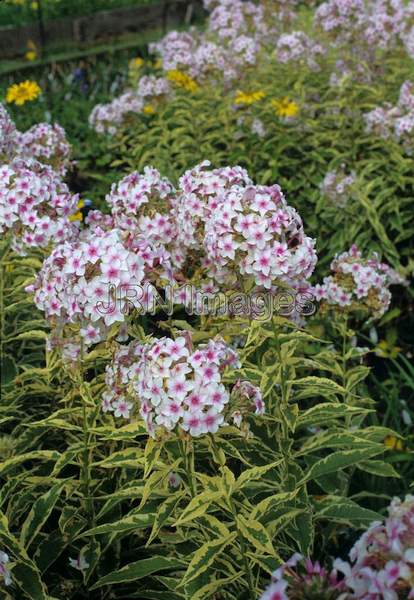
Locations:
{"points": [[255, 473], [36, 334], [344, 510], [316, 386], [39, 514], [378, 468], [151, 455], [130, 457], [128, 523], [272, 502], [198, 506], [163, 514], [205, 556], [37, 454], [26, 576], [325, 412], [140, 569], [210, 589], [256, 534], [339, 460]]}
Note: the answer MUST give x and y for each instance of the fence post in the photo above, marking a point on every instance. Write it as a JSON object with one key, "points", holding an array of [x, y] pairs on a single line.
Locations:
{"points": [[41, 26]]}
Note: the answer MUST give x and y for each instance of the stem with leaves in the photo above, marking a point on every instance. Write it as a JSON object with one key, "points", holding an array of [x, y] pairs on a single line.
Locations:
{"points": [[86, 462], [187, 451], [243, 549]]}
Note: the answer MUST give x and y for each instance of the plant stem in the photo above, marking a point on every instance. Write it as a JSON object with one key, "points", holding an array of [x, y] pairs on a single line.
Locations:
{"points": [[187, 450], [4, 254], [284, 401], [86, 471], [247, 570]]}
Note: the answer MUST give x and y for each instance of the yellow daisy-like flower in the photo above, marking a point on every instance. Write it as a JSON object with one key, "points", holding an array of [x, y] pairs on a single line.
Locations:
{"points": [[182, 80], [285, 107], [148, 109], [393, 443], [248, 98], [158, 64], [20, 93], [136, 63], [30, 55]]}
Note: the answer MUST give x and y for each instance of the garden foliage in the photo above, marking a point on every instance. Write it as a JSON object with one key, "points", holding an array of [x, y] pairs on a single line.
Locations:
{"points": [[212, 445]]}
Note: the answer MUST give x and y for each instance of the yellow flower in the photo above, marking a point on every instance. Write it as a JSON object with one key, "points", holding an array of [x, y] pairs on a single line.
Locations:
{"points": [[285, 107], [80, 204], [76, 217], [393, 443], [386, 350], [30, 55], [183, 80], [249, 98], [158, 64], [20, 93], [148, 109], [136, 63]]}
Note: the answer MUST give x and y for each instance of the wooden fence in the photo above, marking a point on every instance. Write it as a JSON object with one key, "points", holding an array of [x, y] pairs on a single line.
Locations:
{"points": [[102, 25]]}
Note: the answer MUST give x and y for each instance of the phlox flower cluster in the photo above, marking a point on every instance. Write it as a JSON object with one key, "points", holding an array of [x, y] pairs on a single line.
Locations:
{"points": [[190, 53], [134, 202], [236, 33], [44, 142], [174, 386], [381, 565], [407, 35], [217, 232], [150, 86], [47, 144], [337, 186], [230, 19], [96, 219], [395, 122], [106, 118], [217, 223], [8, 135], [374, 24], [200, 192], [35, 205], [74, 283], [382, 561], [358, 284], [300, 578], [129, 197], [385, 22], [255, 235], [340, 18], [297, 47]]}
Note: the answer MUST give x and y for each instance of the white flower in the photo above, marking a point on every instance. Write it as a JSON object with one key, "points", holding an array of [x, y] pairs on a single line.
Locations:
{"points": [[79, 563]]}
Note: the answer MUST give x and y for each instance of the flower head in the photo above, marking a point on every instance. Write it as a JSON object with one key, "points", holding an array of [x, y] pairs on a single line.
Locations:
{"points": [[285, 108], [172, 385], [20, 93]]}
